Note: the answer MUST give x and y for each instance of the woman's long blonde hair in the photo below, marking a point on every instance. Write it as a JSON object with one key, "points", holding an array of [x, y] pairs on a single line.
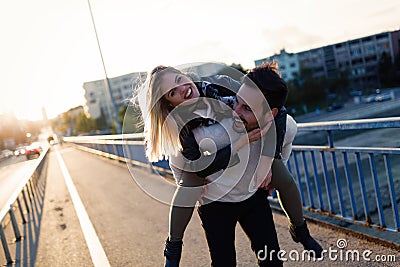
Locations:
{"points": [[161, 131]]}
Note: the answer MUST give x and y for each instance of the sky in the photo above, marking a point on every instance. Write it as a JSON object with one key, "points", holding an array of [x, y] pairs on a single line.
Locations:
{"points": [[48, 48]]}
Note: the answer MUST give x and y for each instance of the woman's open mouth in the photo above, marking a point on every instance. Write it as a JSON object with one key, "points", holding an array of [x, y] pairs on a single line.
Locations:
{"points": [[188, 93]]}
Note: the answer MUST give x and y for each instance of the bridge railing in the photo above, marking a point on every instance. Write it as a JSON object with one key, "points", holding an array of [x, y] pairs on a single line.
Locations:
{"points": [[360, 185], [23, 198], [356, 184]]}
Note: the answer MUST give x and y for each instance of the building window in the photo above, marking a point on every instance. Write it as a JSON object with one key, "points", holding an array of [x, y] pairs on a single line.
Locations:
{"points": [[354, 52], [381, 36], [366, 39], [356, 61], [354, 42], [370, 50]]}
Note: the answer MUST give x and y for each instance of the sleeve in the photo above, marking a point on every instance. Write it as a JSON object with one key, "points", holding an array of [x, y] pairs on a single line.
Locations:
{"points": [[230, 85], [280, 127], [204, 164], [291, 130]]}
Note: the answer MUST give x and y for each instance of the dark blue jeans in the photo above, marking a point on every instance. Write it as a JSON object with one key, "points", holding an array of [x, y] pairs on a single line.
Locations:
{"points": [[254, 215]]}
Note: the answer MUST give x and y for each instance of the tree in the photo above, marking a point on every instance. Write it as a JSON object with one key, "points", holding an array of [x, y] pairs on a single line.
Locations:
{"points": [[387, 71], [101, 122], [340, 84], [131, 118], [84, 124]]}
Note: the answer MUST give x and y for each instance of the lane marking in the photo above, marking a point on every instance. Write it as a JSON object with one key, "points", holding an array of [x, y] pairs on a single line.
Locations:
{"points": [[96, 250]]}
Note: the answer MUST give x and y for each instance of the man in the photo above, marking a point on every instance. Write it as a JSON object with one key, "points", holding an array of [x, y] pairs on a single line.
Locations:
{"points": [[227, 198], [249, 107]]}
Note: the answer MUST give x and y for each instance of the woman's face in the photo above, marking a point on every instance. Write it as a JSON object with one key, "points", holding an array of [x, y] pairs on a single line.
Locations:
{"points": [[178, 88]]}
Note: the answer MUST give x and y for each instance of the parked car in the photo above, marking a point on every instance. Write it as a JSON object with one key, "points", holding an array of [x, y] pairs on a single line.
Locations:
{"points": [[379, 97], [6, 153], [33, 150], [384, 97], [335, 106]]}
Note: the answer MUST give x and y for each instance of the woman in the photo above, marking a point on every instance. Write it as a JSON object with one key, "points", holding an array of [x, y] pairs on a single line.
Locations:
{"points": [[163, 98]]}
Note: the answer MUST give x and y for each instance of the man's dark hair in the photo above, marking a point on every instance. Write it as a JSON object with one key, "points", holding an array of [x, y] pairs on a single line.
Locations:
{"points": [[266, 77]]}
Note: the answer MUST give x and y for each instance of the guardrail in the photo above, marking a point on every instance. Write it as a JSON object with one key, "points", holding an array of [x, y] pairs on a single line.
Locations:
{"points": [[27, 191], [356, 184], [360, 185]]}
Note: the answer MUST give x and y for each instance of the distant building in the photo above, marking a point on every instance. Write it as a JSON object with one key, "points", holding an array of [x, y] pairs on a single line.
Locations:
{"points": [[359, 57], [64, 123], [98, 103], [288, 64]]}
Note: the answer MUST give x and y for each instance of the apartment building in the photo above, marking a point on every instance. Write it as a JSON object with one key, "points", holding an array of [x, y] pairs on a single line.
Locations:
{"points": [[358, 57], [97, 96]]}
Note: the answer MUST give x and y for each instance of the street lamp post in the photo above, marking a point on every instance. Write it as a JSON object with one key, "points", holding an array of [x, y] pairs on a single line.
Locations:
{"points": [[113, 113]]}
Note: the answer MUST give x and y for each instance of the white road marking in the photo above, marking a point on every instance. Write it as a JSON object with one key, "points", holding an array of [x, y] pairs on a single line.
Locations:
{"points": [[96, 250]]}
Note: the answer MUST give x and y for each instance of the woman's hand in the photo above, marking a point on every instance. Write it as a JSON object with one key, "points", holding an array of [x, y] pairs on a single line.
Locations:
{"points": [[247, 138]]}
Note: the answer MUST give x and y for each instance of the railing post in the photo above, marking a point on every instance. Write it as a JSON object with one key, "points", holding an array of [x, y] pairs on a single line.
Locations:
{"points": [[25, 200], [298, 177], [377, 191], [308, 184], [330, 138], [317, 183], [32, 188], [5, 245], [364, 196], [14, 223], [21, 211], [392, 191]]}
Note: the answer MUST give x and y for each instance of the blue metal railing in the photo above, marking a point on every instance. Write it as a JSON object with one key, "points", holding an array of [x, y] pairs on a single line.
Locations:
{"points": [[356, 184], [27, 193]]}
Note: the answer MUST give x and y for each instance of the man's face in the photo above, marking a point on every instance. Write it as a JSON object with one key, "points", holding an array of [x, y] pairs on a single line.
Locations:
{"points": [[249, 108]]}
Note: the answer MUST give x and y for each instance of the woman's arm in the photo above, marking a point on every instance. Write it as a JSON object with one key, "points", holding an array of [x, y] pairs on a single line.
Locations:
{"points": [[204, 164]]}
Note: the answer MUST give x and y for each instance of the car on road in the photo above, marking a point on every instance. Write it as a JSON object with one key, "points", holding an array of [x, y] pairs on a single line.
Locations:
{"points": [[383, 97], [20, 150], [6, 153], [379, 97], [33, 150], [335, 106]]}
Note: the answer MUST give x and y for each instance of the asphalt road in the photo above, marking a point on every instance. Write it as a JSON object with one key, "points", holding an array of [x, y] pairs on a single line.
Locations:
{"points": [[12, 172], [352, 111], [132, 226]]}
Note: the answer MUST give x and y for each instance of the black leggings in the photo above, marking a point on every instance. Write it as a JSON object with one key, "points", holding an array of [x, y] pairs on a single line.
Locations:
{"points": [[254, 215]]}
